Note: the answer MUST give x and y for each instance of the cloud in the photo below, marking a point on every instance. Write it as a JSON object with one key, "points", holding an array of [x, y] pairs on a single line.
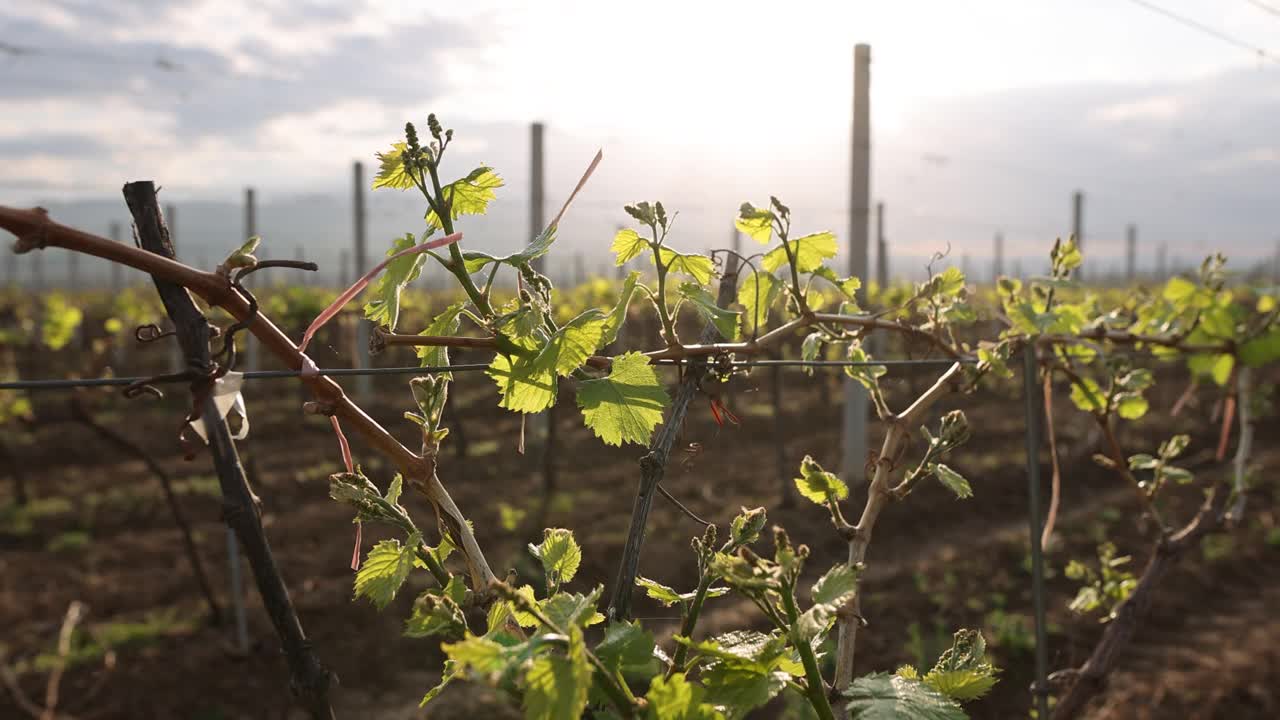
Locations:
{"points": [[284, 95]]}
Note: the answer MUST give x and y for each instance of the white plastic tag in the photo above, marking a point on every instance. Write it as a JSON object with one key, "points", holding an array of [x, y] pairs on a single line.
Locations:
{"points": [[226, 398]]}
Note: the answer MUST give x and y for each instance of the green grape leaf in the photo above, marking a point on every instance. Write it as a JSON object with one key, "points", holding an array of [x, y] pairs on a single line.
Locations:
{"points": [[811, 347], [61, 319], [836, 586], [656, 590], [625, 406], [524, 618], [814, 622], [384, 308], [891, 697], [847, 286], [1221, 368], [738, 647], [628, 648], [627, 245], [868, 375], [540, 246], [556, 687], [740, 689], [699, 267], [1066, 256], [818, 485], [675, 698], [439, 612], [1131, 405], [560, 555], [1219, 322], [566, 609], [447, 676], [473, 262], [953, 481], [644, 212], [618, 315], [446, 323], [1088, 396], [961, 685], [746, 526], [481, 655], [757, 294], [1261, 350], [1178, 289], [809, 250], [574, 342], [526, 385], [947, 283], [384, 570], [755, 223], [467, 196], [726, 321], [391, 170], [963, 672]]}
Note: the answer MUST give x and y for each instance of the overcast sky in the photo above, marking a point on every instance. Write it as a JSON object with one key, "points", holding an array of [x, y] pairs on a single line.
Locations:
{"points": [[986, 114]]}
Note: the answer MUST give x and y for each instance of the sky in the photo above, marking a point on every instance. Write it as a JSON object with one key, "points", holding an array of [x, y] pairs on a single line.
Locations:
{"points": [[986, 116]]}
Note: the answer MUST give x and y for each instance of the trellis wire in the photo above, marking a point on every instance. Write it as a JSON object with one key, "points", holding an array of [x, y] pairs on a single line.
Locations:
{"points": [[69, 383]]}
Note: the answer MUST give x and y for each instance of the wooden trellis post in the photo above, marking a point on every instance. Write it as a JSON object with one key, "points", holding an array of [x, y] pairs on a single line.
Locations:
{"points": [[309, 679]]}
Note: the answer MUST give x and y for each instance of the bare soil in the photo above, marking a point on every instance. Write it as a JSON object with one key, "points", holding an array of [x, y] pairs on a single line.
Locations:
{"points": [[105, 537]]}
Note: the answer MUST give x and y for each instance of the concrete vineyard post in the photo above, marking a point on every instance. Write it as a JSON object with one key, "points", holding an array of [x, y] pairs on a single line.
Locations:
{"points": [[856, 400]]}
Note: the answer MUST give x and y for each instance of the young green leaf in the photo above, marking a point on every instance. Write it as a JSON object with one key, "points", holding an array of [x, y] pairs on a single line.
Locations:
{"points": [[446, 323], [746, 526], [447, 676], [618, 315], [560, 555], [726, 321], [574, 342], [1088, 396], [1131, 405], [656, 590], [556, 687], [384, 309], [847, 286], [384, 570], [757, 294], [439, 612], [627, 245], [818, 485], [963, 672], [755, 223], [699, 267], [891, 697], [467, 196], [675, 698], [740, 689], [481, 655], [627, 648], [868, 375], [809, 250], [391, 170], [840, 582], [625, 406], [526, 385], [953, 481], [61, 318], [573, 609]]}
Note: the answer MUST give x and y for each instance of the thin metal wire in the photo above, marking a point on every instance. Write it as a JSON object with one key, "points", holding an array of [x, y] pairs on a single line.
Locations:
{"points": [[66, 384]]}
